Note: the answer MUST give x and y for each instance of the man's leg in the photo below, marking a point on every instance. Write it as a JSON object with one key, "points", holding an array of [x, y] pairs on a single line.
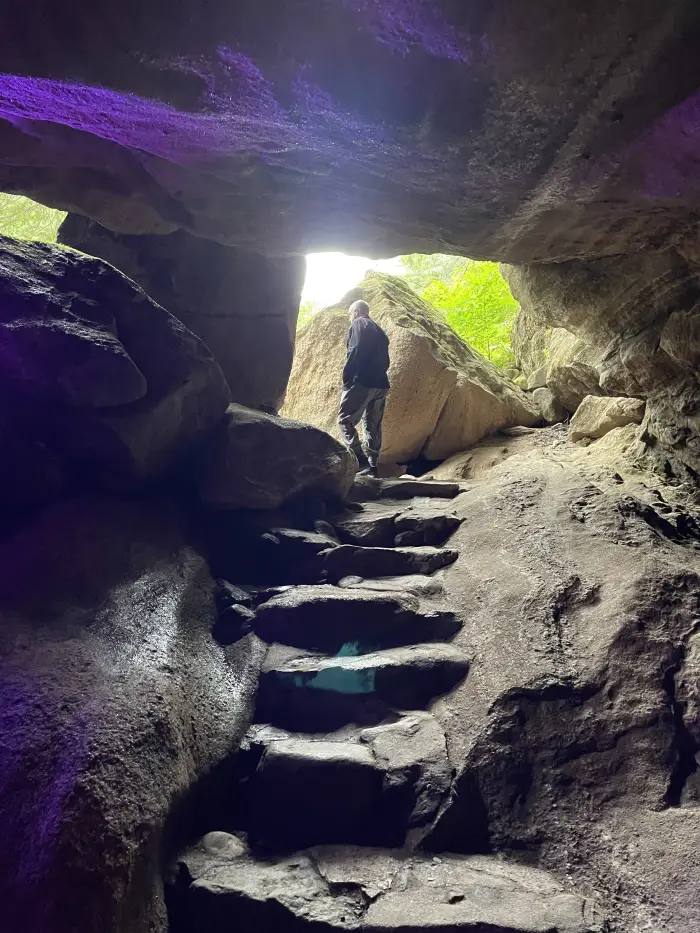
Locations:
{"points": [[353, 402], [372, 424]]}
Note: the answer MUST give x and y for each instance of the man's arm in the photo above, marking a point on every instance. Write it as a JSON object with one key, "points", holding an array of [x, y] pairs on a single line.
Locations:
{"points": [[350, 368]]}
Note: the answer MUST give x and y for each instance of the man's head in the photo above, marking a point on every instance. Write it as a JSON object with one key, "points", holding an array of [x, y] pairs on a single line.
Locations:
{"points": [[358, 309]]}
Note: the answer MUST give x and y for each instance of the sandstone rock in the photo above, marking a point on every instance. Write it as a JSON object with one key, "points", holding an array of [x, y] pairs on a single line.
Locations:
{"points": [[538, 378], [599, 579], [574, 370], [529, 339], [444, 395], [596, 416], [415, 584], [477, 462], [551, 409], [316, 693], [243, 305], [260, 461], [106, 379], [338, 888], [366, 488], [382, 525], [246, 151], [352, 559], [116, 700], [328, 618]]}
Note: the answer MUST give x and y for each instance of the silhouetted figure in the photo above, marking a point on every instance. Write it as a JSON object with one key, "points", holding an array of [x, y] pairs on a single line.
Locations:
{"points": [[365, 386]]}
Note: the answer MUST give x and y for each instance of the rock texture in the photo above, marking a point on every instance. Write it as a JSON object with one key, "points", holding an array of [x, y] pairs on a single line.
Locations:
{"points": [[595, 417], [640, 312], [116, 700], [260, 461], [97, 378], [242, 304], [452, 135], [578, 748], [333, 888], [444, 396]]}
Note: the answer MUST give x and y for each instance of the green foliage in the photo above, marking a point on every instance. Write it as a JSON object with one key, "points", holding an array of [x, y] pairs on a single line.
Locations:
{"points": [[25, 219], [307, 309], [473, 298]]}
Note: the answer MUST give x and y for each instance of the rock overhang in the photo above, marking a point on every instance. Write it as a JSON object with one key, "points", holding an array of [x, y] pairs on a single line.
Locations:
{"points": [[489, 130]]}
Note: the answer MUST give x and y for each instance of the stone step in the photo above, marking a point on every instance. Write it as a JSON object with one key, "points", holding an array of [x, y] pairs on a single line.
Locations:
{"points": [[315, 693], [329, 618], [367, 787], [355, 560], [220, 886], [416, 584], [367, 488], [380, 525]]}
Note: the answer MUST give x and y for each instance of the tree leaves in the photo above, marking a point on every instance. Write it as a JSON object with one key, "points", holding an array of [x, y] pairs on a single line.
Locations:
{"points": [[25, 219], [473, 297]]}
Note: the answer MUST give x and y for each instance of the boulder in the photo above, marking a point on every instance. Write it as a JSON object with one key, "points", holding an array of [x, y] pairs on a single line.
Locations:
{"points": [[596, 416], [444, 396], [116, 701], [551, 409], [538, 378], [104, 378], [242, 304], [260, 461]]}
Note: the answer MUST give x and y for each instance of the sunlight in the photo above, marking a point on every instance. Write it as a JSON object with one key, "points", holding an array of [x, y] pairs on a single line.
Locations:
{"points": [[330, 275]]}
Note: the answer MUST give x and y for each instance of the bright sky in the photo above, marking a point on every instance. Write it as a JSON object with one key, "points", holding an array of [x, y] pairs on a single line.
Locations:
{"points": [[330, 275]]}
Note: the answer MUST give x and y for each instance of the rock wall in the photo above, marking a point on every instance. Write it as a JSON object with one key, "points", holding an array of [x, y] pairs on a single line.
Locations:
{"points": [[115, 702], [642, 313], [243, 305], [444, 396]]}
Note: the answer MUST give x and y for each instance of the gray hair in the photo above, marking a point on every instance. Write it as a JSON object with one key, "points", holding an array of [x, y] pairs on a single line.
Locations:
{"points": [[361, 308]]}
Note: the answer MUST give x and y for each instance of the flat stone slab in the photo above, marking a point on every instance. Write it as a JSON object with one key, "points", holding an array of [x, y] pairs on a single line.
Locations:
{"points": [[367, 488], [225, 888], [331, 619], [354, 560], [380, 525], [415, 584], [313, 693], [368, 787]]}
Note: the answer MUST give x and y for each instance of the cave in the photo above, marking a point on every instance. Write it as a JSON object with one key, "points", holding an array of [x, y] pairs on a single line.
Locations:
{"points": [[244, 687]]}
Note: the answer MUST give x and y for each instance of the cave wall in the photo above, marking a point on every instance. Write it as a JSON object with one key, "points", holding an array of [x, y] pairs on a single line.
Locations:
{"points": [[243, 305], [642, 312]]}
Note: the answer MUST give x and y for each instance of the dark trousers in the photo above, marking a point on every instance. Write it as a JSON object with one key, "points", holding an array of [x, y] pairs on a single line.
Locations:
{"points": [[357, 402]]}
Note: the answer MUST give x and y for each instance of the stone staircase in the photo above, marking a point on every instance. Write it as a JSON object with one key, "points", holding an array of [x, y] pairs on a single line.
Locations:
{"points": [[346, 768]]}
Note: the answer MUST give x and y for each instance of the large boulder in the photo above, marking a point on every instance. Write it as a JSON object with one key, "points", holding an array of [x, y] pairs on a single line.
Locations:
{"points": [[242, 304], [444, 396], [95, 372], [115, 701], [260, 461], [596, 417]]}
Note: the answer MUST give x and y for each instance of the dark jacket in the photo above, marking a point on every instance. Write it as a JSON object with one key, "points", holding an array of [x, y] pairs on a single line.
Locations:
{"points": [[368, 355]]}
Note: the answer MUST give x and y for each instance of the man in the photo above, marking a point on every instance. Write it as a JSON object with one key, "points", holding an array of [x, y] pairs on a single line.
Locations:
{"points": [[365, 386]]}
